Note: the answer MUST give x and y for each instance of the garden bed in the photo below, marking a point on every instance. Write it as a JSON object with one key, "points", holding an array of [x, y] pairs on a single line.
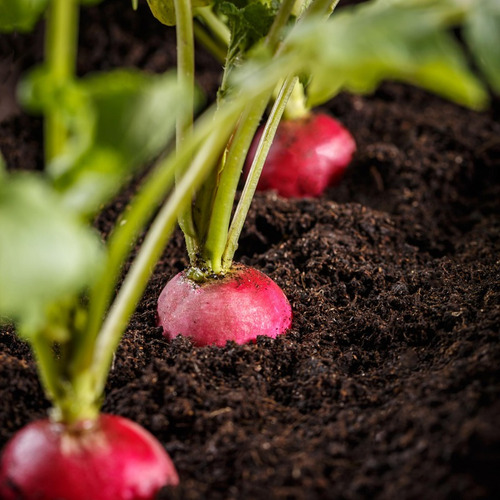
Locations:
{"points": [[388, 384]]}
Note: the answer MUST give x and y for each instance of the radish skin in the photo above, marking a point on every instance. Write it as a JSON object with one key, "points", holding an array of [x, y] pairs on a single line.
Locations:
{"points": [[240, 306], [112, 459], [308, 155]]}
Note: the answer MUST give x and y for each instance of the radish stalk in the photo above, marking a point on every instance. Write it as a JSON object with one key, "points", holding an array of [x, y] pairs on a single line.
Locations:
{"points": [[221, 211], [218, 197], [206, 40], [217, 28], [60, 49], [255, 171], [185, 75]]}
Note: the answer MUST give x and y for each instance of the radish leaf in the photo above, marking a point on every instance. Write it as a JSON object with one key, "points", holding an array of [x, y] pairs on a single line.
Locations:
{"points": [[358, 48], [164, 10], [136, 112], [249, 21], [20, 15], [118, 121], [46, 254], [482, 32]]}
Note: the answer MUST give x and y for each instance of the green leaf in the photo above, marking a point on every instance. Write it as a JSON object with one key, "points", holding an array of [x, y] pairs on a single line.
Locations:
{"points": [[89, 181], [20, 15], [358, 48], [46, 254], [118, 121], [134, 119], [482, 33], [248, 20], [135, 112], [164, 10]]}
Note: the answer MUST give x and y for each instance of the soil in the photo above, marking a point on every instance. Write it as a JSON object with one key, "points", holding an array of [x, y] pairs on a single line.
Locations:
{"points": [[388, 384]]}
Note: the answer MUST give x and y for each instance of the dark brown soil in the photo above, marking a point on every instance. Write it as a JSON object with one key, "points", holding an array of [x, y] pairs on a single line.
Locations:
{"points": [[388, 385]]}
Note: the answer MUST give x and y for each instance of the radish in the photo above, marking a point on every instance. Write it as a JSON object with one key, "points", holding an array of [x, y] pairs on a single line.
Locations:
{"points": [[308, 155], [216, 301], [239, 306], [110, 459]]}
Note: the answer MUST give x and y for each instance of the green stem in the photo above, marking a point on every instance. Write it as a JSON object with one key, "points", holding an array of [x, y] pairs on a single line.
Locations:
{"points": [[205, 198], [217, 50], [80, 402], [202, 207], [120, 242], [217, 234], [228, 183], [231, 57], [296, 107], [320, 8], [273, 37], [255, 171], [214, 24], [73, 398], [185, 66], [60, 52], [47, 368], [136, 280], [185, 75]]}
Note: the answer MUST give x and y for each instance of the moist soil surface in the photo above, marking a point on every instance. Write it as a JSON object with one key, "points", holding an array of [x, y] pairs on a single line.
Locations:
{"points": [[388, 383]]}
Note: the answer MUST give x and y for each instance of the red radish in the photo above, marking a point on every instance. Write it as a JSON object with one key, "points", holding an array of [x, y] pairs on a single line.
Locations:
{"points": [[239, 306], [308, 155], [111, 459]]}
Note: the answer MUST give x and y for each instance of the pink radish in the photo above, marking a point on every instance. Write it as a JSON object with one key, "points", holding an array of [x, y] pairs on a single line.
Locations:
{"points": [[110, 459], [239, 306], [308, 155]]}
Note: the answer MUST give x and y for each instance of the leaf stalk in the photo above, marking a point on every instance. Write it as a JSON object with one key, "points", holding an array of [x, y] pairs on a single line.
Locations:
{"points": [[60, 54]]}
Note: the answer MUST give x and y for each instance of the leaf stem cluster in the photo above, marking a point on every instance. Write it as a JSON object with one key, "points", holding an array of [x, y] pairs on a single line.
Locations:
{"points": [[213, 231]]}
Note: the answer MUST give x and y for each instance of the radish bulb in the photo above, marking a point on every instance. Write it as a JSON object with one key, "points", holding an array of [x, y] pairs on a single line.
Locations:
{"points": [[308, 155], [239, 305], [111, 458]]}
